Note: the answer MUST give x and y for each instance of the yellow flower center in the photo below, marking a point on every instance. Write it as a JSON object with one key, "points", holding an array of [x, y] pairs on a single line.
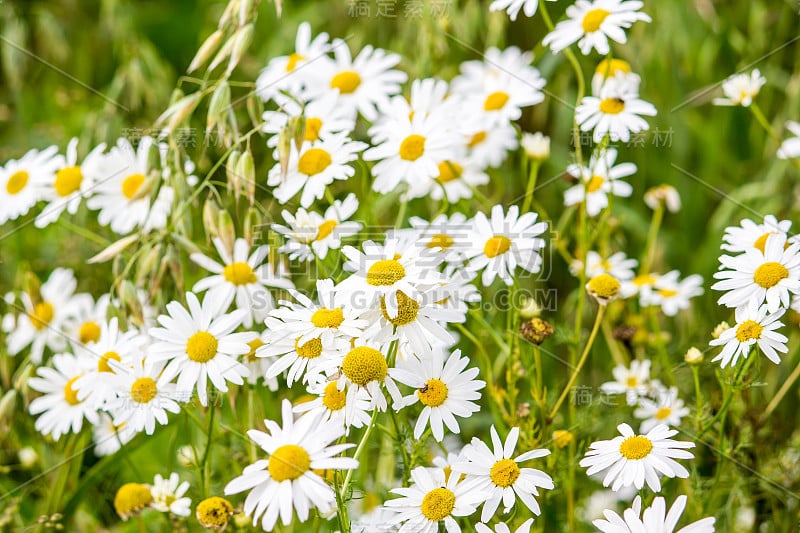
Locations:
{"points": [[68, 180], [667, 293], [328, 318], [17, 182], [504, 473], [644, 279], [449, 171], [593, 19], [131, 498], [761, 242], [333, 398], [631, 382], [202, 347], [102, 364], [214, 513], [143, 390], [749, 330], [476, 139], [89, 332], [385, 272], [604, 286], [496, 245], [42, 315], [131, 185], [239, 273], [663, 413], [770, 274], [70, 394], [313, 126], [595, 183], [407, 310], [288, 462], [294, 59], [347, 82], [433, 394], [309, 350], [412, 147], [495, 101], [254, 345], [440, 240], [325, 229], [612, 106], [363, 364], [438, 504], [313, 161], [636, 447], [610, 67]]}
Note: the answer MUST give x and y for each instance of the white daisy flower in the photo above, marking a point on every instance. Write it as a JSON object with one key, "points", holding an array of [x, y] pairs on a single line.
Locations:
{"points": [[496, 64], [741, 89], [631, 459], [666, 409], [72, 182], [751, 235], [87, 320], [42, 324], [448, 236], [365, 83], [617, 265], [754, 325], [501, 527], [513, 7], [430, 500], [287, 479], [200, 345], [790, 148], [671, 293], [428, 96], [500, 477], [259, 366], [457, 178], [505, 242], [656, 519], [756, 276], [365, 367], [323, 117], [502, 98], [641, 285], [489, 146], [310, 234], [608, 69], [331, 404], [168, 495], [663, 196], [592, 24], [60, 409], [121, 190], [633, 382], [144, 395], [109, 438], [614, 112], [317, 165], [444, 386], [243, 276], [599, 180], [23, 181], [294, 72]]}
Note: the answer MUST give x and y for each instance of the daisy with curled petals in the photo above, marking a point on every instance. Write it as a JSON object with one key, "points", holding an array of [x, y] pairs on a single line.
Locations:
{"points": [[598, 181], [168, 495], [505, 242], [365, 83], [498, 475], [330, 403], [309, 234], [790, 148], [741, 89], [108, 438], [72, 182], [611, 68], [524, 527], [259, 366], [592, 23], [432, 501], [755, 276], [199, 344], [314, 167], [631, 459], [633, 382], [22, 181], [323, 118], [143, 396], [656, 519], [445, 387], [755, 325], [671, 293], [244, 276], [513, 7], [666, 409], [288, 478], [365, 367], [60, 409], [293, 73], [749, 235], [122, 189], [617, 265], [614, 112]]}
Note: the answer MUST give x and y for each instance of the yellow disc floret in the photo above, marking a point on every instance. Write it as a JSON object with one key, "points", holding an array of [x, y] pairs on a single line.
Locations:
{"points": [[132, 498], [504, 473], [407, 310], [438, 504], [288, 462], [770, 274], [17, 182], [131, 185], [43, 313], [143, 390], [636, 447], [749, 330], [333, 398], [412, 147], [433, 393], [102, 363], [214, 513], [239, 273], [593, 19], [347, 81], [70, 394], [363, 364], [89, 332], [313, 161], [496, 245], [328, 318], [310, 349], [385, 272], [202, 347], [604, 286]]}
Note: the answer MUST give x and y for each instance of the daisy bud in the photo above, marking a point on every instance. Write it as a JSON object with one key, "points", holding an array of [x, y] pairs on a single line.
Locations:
{"points": [[663, 195], [535, 330], [719, 329], [27, 457], [603, 288], [206, 49], [536, 145], [214, 513], [132, 498], [562, 438], [241, 42], [186, 456], [693, 356], [530, 309]]}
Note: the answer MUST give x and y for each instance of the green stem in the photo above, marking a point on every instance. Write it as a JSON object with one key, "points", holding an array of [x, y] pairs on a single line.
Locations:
{"points": [[361, 445], [532, 176], [698, 396], [650, 245], [204, 463]]}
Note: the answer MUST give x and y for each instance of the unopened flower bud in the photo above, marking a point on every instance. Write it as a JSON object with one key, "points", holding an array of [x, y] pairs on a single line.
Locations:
{"points": [[536, 330], [536, 145], [720, 329], [693, 356]]}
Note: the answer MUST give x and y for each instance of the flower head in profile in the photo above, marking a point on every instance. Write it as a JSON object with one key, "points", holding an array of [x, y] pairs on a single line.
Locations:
{"points": [[667, 409], [168, 495], [741, 89], [655, 519], [790, 148]]}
